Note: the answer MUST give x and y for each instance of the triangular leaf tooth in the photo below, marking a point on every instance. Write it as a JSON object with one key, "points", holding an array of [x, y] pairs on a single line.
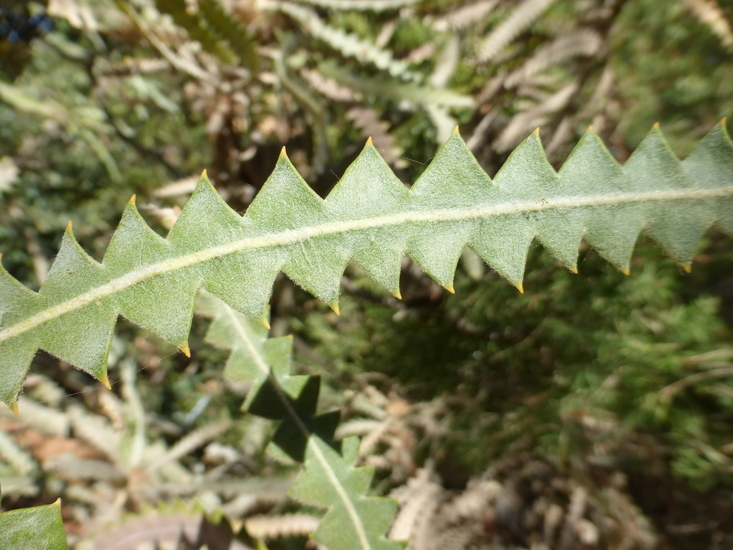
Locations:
{"points": [[17, 355], [613, 232], [376, 192], [503, 242], [603, 225], [710, 165], [318, 265], [72, 271], [653, 165], [163, 304], [206, 221], [103, 377], [367, 188], [82, 337], [655, 168], [383, 263], [82, 334], [244, 280], [453, 178], [437, 248], [527, 174], [590, 169], [680, 237], [561, 232], [285, 201], [134, 245]]}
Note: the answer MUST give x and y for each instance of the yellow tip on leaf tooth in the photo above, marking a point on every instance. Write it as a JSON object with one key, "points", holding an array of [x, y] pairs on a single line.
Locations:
{"points": [[397, 294], [449, 288], [15, 409], [626, 271], [574, 269], [369, 142], [186, 350], [265, 323], [204, 174], [104, 379], [590, 128], [520, 287], [283, 154], [335, 308], [1, 256], [656, 126], [456, 131], [131, 202], [687, 268], [536, 131], [69, 227]]}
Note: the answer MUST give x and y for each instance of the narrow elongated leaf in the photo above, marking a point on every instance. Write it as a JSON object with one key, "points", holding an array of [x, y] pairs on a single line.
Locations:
{"points": [[369, 217], [329, 478]]}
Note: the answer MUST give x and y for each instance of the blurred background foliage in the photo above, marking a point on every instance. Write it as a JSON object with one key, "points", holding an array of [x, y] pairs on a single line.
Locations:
{"points": [[593, 411]]}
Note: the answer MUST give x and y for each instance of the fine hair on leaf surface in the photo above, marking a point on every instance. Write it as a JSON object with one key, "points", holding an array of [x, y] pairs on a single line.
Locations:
{"points": [[370, 217]]}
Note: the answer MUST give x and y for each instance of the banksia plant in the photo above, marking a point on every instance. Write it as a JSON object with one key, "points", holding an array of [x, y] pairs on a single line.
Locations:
{"points": [[370, 218]]}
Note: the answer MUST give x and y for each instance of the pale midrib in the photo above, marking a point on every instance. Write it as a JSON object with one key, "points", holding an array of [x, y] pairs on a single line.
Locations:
{"points": [[265, 370], [293, 236]]}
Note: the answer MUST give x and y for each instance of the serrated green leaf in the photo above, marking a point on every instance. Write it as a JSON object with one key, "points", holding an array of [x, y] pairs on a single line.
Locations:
{"points": [[372, 218], [329, 478], [33, 528], [266, 363]]}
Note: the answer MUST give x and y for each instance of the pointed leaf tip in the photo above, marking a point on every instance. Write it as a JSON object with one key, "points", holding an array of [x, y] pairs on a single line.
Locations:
{"points": [[131, 202], [186, 350], [536, 131], [283, 154], [449, 288], [590, 129], [520, 287], [265, 323], [335, 308], [656, 126], [573, 269], [204, 174], [104, 379], [69, 228], [687, 268], [626, 271], [397, 294], [369, 142], [15, 409], [456, 131]]}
